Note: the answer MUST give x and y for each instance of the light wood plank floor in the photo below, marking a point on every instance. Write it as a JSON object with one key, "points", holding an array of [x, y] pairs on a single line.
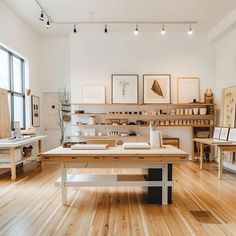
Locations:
{"points": [[202, 205]]}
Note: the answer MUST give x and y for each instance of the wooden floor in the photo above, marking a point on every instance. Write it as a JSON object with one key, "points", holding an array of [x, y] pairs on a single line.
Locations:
{"points": [[202, 205]]}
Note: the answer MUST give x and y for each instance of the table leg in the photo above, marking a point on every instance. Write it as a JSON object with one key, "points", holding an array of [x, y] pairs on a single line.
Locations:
{"points": [[220, 163], [13, 163], [63, 184], [201, 155], [39, 153], [164, 184]]}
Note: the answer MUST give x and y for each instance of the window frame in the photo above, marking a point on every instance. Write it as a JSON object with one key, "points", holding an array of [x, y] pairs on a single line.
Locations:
{"points": [[11, 91]]}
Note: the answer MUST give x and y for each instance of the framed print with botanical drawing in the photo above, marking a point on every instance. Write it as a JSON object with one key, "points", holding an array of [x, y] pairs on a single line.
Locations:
{"points": [[124, 89], [156, 88]]}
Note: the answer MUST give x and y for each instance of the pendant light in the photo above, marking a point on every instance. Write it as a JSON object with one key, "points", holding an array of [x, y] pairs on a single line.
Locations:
{"points": [[163, 31]]}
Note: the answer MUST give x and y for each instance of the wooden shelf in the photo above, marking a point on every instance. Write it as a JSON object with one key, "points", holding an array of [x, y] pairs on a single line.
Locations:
{"points": [[138, 115], [142, 125], [140, 105], [109, 136]]}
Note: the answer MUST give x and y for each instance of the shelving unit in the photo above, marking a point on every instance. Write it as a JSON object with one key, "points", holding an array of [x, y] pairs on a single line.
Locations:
{"points": [[144, 112]]}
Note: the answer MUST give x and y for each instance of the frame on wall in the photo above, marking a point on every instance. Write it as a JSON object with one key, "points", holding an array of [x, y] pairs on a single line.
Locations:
{"points": [[93, 94], [229, 106], [35, 110], [156, 88], [124, 88], [188, 89]]}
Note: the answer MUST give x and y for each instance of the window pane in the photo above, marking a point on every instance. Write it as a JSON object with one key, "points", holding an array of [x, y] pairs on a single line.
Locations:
{"points": [[19, 110], [17, 75], [4, 70]]}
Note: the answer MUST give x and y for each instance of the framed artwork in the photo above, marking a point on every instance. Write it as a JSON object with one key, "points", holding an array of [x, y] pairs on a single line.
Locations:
{"points": [[93, 94], [229, 106], [224, 134], [232, 135], [188, 89], [216, 134], [124, 89], [35, 110], [156, 88]]}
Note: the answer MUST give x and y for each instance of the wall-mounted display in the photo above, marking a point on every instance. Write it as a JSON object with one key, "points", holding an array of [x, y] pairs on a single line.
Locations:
{"points": [[95, 94], [124, 89], [156, 88], [229, 106], [35, 110], [188, 89]]}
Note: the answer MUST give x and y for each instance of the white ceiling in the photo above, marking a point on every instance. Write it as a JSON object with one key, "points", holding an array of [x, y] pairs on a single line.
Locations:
{"points": [[206, 12]]}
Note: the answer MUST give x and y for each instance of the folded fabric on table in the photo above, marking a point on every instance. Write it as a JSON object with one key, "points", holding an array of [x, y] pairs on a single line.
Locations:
{"points": [[136, 146], [89, 147]]}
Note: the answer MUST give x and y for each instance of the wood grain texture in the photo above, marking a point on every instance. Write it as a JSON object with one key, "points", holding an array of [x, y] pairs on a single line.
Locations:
{"points": [[202, 205]]}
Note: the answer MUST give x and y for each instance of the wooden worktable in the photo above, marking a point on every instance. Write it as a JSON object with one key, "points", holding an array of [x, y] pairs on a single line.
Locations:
{"points": [[12, 145], [222, 146], [156, 165]]}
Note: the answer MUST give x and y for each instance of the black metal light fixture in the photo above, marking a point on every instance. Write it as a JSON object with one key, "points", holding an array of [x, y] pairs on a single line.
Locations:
{"points": [[41, 15], [75, 30], [48, 24], [105, 30], [163, 30], [136, 30]]}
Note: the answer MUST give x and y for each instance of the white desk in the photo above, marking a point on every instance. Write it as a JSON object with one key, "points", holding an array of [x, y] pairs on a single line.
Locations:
{"points": [[12, 145], [222, 146], [156, 165]]}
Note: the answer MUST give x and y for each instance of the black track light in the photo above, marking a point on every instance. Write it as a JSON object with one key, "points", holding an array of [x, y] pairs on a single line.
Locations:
{"points": [[41, 15], [105, 30], [136, 30], [48, 24], [75, 30]]}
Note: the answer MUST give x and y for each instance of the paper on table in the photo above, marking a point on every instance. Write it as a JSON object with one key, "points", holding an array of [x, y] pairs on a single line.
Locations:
{"points": [[89, 147], [136, 146]]}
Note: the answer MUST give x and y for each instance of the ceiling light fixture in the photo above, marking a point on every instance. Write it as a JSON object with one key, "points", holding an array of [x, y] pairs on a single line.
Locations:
{"points": [[41, 15], [105, 30], [163, 31], [136, 30], [75, 30], [44, 14], [190, 30], [48, 24]]}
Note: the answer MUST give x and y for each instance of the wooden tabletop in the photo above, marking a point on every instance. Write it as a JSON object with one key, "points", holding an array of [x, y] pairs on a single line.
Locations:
{"points": [[168, 150], [14, 143], [217, 142]]}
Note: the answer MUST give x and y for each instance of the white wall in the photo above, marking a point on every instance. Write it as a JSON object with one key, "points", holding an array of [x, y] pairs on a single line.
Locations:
{"points": [[55, 74], [225, 69], [24, 41], [94, 57]]}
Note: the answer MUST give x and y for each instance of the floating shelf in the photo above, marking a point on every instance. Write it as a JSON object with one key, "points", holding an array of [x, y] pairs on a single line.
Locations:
{"points": [[140, 105]]}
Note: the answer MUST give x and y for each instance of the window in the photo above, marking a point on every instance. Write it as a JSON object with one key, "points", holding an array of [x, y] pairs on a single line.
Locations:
{"points": [[12, 78]]}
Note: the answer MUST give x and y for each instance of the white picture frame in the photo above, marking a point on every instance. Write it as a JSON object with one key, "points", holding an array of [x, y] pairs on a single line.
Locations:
{"points": [[93, 94], [224, 133], [124, 89], [232, 135], [216, 134], [156, 88], [188, 89]]}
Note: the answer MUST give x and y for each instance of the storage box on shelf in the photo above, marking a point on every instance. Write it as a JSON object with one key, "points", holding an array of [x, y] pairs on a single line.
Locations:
{"points": [[116, 119]]}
